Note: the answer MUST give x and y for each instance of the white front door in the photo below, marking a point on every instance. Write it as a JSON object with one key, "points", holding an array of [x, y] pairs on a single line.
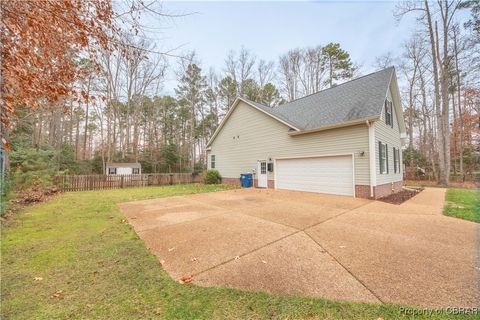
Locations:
{"points": [[262, 181]]}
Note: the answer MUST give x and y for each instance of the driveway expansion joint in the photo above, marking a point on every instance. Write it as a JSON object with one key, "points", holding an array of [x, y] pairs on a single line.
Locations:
{"points": [[323, 250], [346, 269], [246, 253]]}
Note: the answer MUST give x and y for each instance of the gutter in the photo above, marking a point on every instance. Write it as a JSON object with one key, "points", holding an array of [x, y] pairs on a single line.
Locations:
{"points": [[335, 126]]}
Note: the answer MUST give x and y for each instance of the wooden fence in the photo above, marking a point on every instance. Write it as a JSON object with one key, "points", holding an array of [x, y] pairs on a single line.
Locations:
{"points": [[100, 182]]}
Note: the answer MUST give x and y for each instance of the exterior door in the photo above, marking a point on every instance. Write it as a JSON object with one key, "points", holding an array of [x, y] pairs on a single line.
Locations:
{"points": [[262, 181], [332, 175]]}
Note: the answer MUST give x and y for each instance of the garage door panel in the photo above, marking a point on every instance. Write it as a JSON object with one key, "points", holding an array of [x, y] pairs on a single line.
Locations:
{"points": [[332, 175]]}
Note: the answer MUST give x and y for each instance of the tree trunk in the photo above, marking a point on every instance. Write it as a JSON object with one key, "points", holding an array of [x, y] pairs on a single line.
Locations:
{"points": [[455, 130], [459, 104], [85, 132], [440, 143]]}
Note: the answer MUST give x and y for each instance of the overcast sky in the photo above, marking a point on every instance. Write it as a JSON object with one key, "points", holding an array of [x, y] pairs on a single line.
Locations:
{"points": [[366, 29]]}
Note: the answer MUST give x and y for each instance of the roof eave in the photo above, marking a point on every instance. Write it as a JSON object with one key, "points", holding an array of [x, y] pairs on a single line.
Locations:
{"points": [[335, 126]]}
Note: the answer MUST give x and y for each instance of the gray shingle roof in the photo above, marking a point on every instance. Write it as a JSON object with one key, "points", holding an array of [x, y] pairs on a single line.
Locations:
{"points": [[358, 99]]}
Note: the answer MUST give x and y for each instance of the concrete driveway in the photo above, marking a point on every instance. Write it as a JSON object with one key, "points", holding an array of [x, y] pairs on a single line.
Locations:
{"points": [[297, 243]]}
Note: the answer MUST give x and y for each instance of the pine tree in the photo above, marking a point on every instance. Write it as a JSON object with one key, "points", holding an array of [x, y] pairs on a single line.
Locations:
{"points": [[338, 63], [227, 90], [191, 89]]}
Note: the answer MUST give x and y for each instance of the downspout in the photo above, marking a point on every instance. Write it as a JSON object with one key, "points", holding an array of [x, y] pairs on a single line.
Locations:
{"points": [[371, 154]]}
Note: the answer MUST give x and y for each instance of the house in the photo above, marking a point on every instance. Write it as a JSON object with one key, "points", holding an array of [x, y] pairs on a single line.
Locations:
{"points": [[344, 140], [123, 168]]}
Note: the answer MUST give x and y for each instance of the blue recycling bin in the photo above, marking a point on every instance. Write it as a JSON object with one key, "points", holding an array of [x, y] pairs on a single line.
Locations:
{"points": [[246, 180]]}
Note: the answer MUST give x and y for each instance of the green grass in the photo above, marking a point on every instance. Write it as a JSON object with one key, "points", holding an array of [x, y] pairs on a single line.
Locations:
{"points": [[463, 204], [79, 243]]}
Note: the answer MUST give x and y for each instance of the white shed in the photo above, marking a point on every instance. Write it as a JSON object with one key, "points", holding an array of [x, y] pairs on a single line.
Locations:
{"points": [[123, 168]]}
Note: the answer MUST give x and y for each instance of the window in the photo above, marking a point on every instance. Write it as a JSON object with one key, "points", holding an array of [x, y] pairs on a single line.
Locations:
{"points": [[386, 156], [391, 114], [135, 170], [396, 160], [112, 170], [382, 157], [212, 161], [270, 167], [388, 113], [263, 168]]}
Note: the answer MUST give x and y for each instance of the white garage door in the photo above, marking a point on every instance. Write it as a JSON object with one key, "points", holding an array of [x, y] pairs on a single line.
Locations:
{"points": [[332, 175]]}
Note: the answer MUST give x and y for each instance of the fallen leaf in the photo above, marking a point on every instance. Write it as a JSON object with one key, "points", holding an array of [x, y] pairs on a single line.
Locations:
{"points": [[38, 278], [59, 294], [264, 261], [162, 262], [171, 249], [186, 278]]}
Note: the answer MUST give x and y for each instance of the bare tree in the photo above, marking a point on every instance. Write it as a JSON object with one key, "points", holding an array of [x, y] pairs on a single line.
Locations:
{"points": [[265, 72]]}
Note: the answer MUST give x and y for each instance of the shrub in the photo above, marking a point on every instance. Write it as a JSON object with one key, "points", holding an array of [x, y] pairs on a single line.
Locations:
{"points": [[212, 177], [32, 167]]}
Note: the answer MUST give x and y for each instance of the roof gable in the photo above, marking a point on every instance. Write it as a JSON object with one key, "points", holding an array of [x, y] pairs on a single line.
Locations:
{"points": [[347, 104], [397, 103], [361, 98], [264, 109]]}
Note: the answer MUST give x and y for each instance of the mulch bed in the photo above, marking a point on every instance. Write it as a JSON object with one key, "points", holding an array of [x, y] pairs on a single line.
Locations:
{"points": [[402, 196]]}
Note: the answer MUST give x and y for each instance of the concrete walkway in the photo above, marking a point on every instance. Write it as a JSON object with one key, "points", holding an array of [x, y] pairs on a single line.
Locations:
{"points": [[297, 243]]}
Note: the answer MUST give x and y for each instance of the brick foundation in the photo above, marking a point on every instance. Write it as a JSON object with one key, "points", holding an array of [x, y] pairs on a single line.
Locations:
{"points": [[232, 181], [387, 189], [237, 182], [270, 184], [361, 191]]}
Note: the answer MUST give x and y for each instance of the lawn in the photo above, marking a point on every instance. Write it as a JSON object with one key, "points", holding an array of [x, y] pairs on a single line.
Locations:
{"points": [[463, 204], [76, 257]]}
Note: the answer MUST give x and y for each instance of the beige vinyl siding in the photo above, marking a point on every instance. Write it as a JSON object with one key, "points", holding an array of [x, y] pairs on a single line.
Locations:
{"points": [[250, 135], [390, 136]]}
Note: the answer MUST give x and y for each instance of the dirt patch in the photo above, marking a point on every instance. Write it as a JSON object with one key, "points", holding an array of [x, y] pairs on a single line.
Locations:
{"points": [[402, 196]]}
